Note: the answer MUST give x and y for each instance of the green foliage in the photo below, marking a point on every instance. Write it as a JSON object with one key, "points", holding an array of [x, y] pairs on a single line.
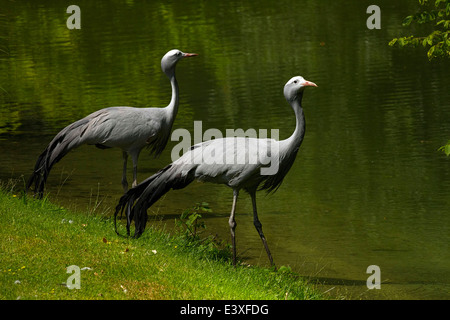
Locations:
{"points": [[446, 148], [190, 220], [438, 41], [192, 226]]}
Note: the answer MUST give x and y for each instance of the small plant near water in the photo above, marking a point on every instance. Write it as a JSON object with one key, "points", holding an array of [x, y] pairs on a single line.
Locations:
{"points": [[190, 220], [191, 226]]}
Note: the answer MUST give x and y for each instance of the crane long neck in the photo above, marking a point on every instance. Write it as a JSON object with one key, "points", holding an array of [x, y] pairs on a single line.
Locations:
{"points": [[172, 108], [296, 139], [288, 148]]}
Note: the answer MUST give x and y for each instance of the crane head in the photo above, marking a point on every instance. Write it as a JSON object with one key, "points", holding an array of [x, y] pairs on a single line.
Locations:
{"points": [[295, 86], [170, 59]]}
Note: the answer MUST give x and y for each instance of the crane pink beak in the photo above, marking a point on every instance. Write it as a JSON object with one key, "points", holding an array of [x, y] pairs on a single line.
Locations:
{"points": [[187, 55], [309, 84]]}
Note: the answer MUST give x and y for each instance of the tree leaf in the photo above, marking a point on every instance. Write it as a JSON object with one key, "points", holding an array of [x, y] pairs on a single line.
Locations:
{"points": [[407, 21], [447, 149], [392, 42]]}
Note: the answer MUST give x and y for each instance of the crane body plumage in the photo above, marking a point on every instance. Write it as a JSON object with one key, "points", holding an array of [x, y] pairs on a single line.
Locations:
{"points": [[128, 128], [209, 161]]}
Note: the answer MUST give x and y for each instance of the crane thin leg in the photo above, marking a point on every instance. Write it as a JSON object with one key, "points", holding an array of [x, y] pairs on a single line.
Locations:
{"points": [[124, 174], [232, 224], [258, 227], [134, 158]]}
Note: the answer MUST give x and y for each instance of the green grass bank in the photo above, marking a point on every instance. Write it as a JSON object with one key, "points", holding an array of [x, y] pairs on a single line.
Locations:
{"points": [[40, 240]]}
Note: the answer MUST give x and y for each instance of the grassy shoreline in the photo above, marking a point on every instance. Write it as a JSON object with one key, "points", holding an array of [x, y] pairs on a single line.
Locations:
{"points": [[39, 240]]}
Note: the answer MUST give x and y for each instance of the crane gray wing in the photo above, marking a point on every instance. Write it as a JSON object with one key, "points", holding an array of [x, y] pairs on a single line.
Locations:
{"points": [[231, 161]]}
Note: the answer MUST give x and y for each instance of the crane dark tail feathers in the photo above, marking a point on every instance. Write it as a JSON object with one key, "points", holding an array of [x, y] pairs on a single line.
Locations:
{"points": [[45, 163], [66, 140], [136, 201], [39, 176]]}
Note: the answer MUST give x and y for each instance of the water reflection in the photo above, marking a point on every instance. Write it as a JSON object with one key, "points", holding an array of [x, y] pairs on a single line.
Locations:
{"points": [[368, 186]]}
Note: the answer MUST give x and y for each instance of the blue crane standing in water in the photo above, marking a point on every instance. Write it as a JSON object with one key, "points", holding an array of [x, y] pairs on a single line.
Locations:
{"points": [[196, 164], [130, 129]]}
